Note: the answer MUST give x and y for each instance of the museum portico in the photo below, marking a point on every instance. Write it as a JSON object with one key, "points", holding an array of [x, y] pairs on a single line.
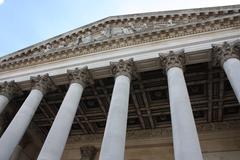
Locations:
{"points": [[161, 85]]}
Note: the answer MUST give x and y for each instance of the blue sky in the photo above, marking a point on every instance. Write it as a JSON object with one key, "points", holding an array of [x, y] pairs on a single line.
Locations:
{"points": [[26, 22]]}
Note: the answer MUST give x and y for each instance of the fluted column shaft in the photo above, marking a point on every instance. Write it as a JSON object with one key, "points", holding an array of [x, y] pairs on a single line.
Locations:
{"points": [[113, 144], [16, 129], [57, 137], [185, 136]]}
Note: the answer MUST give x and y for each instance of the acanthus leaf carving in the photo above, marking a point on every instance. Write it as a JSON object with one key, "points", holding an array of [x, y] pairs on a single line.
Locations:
{"points": [[43, 83], [222, 52], [173, 59], [10, 89], [122, 67], [81, 76]]}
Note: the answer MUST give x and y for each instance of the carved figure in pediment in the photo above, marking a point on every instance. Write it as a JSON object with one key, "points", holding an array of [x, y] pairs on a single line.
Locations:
{"points": [[162, 24], [127, 30], [157, 25], [72, 43], [170, 22], [77, 41], [138, 28], [121, 30], [87, 38], [117, 31], [131, 25], [107, 31], [144, 26]]}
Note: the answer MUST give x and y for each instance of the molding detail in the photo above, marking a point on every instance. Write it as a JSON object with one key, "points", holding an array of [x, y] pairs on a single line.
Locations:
{"points": [[81, 76], [43, 83], [126, 68], [10, 89], [173, 59], [88, 152], [222, 52]]}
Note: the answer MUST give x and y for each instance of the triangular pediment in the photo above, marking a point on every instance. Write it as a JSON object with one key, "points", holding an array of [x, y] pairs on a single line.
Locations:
{"points": [[125, 30]]}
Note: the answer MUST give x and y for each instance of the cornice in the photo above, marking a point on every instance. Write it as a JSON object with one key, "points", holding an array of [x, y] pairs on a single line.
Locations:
{"points": [[127, 33]]}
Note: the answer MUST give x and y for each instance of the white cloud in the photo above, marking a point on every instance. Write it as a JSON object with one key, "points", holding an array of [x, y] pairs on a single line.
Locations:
{"points": [[1, 2]]}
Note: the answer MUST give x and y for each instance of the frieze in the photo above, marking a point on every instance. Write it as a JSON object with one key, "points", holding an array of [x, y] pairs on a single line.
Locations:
{"points": [[113, 36]]}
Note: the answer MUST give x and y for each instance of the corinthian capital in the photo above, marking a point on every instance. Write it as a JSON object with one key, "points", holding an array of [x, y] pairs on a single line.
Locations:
{"points": [[173, 59], [81, 76], [122, 67], [88, 152], [43, 83], [10, 89], [225, 51]]}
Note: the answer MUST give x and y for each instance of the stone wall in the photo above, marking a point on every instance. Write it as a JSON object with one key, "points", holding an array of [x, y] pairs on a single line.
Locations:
{"points": [[221, 144]]}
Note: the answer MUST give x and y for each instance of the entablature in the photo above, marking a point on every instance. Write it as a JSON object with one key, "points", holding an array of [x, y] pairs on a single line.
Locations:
{"points": [[146, 56]]}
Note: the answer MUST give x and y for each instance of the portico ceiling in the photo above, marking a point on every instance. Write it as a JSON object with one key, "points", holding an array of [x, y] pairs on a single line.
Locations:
{"points": [[211, 97]]}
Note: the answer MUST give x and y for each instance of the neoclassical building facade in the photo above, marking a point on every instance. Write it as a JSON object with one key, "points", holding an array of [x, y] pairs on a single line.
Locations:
{"points": [[159, 85]]}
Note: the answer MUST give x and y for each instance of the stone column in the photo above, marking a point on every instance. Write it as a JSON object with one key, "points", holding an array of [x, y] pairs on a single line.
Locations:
{"points": [[88, 152], [185, 137], [8, 91], [227, 55], [55, 142], [113, 144], [16, 129]]}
